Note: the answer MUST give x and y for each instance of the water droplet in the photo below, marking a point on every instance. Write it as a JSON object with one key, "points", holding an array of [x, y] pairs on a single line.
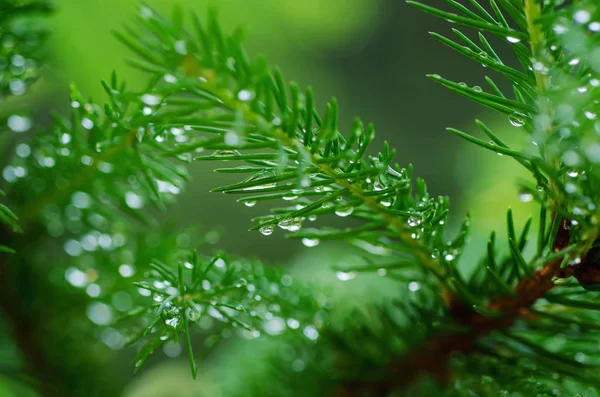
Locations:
{"points": [[327, 204], [23, 150], [386, 202], [289, 197], [293, 323], [242, 282], [93, 290], [126, 270], [20, 172], [172, 322], [81, 200], [477, 89], [267, 230], [414, 221], [245, 95], [249, 203], [274, 326], [169, 78], [19, 123], [559, 29], [570, 158], [594, 26], [413, 286], [564, 132], [100, 313], [150, 100], [48, 162], [345, 276], [146, 13], [17, 87], [310, 242], [382, 272], [144, 292], [513, 40], [134, 200], [592, 152], [298, 365], [539, 67], [517, 119], [574, 62], [193, 312], [73, 248], [344, 211], [285, 223], [525, 197], [180, 47], [287, 280], [76, 277], [220, 263], [570, 188], [87, 123], [582, 16], [231, 138], [9, 173], [310, 332], [295, 225]]}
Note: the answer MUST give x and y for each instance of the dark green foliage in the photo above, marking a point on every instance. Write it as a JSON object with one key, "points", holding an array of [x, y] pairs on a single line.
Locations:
{"points": [[22, 30], [517, 320]]}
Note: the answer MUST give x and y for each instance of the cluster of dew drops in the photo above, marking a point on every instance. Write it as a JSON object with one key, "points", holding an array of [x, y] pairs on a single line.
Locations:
{"points": [[341, 209], [274, 322], [15, 67], [14, 70]]}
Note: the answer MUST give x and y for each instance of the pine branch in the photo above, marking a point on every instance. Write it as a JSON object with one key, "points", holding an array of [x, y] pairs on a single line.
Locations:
{"points": [[266, 116], [433, 357], [252, 109], [206, 95]]}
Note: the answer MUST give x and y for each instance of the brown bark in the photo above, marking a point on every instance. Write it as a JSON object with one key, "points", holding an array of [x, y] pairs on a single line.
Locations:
{"points": [[433, 356]]}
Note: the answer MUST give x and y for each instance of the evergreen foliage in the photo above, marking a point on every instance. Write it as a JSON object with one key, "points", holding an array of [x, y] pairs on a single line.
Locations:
{"points": [[522, 321]]}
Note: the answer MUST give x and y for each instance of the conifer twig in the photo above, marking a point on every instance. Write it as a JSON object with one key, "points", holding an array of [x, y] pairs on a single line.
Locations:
{"points": [[433, 356]]}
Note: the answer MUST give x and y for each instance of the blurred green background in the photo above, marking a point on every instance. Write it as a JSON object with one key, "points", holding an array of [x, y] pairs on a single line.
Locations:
{"points": [[371, 54]]}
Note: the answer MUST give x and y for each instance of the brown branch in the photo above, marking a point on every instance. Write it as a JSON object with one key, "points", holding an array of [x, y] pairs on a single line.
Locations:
{"points": [[433, 356]]}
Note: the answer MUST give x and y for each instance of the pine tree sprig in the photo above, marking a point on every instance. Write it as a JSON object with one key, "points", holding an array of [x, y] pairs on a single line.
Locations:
{"points": [[269, 116], [207, 100]]}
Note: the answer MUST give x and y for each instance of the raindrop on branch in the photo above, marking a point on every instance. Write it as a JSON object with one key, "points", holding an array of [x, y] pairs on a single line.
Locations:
{"points": [[345, 276]]}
